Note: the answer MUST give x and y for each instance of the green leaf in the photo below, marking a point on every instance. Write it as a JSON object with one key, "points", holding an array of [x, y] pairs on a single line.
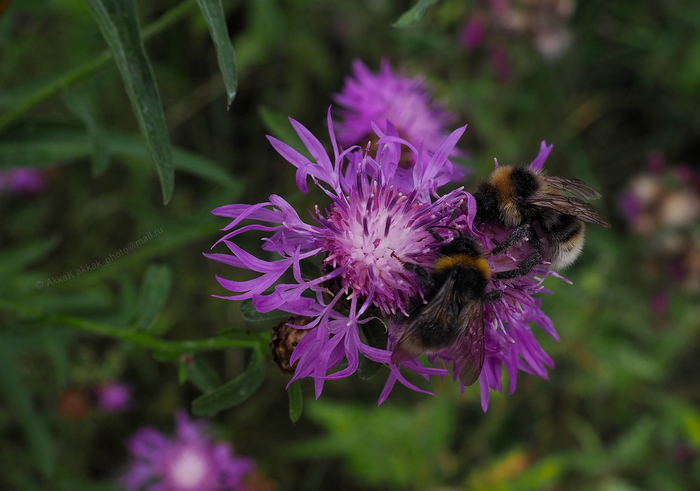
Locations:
{"points": [[296, 401], [41, 144], [376, 335], [233, 392], [182, 374], [79, 105], [30, 95], [183, 160], [636, 444], [201, 373], [280, 127], [689, 75], [251, 315], [154, 292], [18, 398], [366, 368], [246, 336], [18, 258], [413, 15], [407, 442], [213, 12], [310, 269], [165, 356], [55, 341], [119, 24]]}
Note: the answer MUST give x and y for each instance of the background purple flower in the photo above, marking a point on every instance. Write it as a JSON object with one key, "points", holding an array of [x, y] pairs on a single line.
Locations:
{"points": [[113, 397], [189, 461], [368, 98], [473, 32], [22, 181]]}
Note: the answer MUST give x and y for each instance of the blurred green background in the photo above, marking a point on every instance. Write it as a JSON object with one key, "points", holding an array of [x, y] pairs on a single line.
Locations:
{"points": [[622, 408]]}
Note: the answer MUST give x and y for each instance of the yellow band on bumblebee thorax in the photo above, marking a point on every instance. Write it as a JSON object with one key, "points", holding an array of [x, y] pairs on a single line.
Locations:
{"points": [[464, 260]]}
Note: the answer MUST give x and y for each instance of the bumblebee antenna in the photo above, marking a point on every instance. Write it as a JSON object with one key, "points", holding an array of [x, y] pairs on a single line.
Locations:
{"points": [[437, 236]]}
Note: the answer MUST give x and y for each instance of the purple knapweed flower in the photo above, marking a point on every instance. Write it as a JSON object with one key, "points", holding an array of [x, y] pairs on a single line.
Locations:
{"points": [[368, 98], [381, 217], [190, 461], [22, 181], [113, 397]]}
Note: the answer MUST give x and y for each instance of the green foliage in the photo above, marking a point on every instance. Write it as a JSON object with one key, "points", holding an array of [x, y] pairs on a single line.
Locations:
{"points": [[35, 427], [415, 14], [233, 392], [296, 401], [120, 27], [215, 16], [153, 295], [387, 445], [620, 410]]}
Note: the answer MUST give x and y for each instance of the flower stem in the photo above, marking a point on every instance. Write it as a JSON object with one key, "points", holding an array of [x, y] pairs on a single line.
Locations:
{"points": [[167, 347]]}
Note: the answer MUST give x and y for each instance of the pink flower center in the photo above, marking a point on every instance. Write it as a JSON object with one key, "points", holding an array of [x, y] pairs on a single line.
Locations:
{"points": [[376, 233], [189, 469]]}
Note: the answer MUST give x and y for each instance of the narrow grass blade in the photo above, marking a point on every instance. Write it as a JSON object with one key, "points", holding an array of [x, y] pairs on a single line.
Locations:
{"points": [[118, 22], [213, 12], [414, 14]]}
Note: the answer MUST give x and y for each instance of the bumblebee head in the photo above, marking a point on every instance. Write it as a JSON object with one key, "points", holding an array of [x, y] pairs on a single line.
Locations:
{"points": [[487, 203], [464, 244]]}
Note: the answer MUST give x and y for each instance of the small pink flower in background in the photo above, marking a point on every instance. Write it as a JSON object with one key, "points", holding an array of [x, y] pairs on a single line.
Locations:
{"points": [[500, 61], [666, 196], [663, 205], [541, 21], [22, 181], [656, 162], [113, 397], [659, 303], [473, 32], [189, 461]]}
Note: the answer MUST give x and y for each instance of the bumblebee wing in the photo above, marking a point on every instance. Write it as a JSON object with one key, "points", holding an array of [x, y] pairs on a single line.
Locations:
{"points": [[437, 316], [468, 350], [574, 186], [569, 206]]}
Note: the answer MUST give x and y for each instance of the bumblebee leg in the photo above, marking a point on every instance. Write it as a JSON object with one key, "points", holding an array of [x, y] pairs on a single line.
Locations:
{"points": [[423, 275], [493, 296], [515, 236], [436, 235], [528, 263]]}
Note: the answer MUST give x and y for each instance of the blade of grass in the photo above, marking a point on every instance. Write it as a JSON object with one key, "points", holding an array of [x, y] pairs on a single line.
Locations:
{"points": [[119, 24], [56, 82], [235, 391], [414, 14], [39, 144], [80, 106], [213, 12], [155, 290]]}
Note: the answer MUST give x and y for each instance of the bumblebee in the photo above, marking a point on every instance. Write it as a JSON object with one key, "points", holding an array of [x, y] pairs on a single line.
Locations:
{"points": [[453, 316], [532, 204]]}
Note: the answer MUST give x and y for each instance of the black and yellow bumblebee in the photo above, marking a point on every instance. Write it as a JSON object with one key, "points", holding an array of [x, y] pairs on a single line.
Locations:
{"points": [[452, 316], [534, 206]]}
